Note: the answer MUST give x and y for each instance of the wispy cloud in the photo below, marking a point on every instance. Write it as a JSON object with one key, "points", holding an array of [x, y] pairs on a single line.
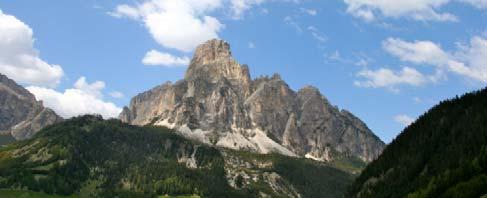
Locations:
{"points": [[311, 12], [317, 34], [421, 10], [404, 120]]}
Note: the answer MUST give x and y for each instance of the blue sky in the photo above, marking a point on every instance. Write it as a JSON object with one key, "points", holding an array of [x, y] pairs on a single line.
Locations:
{"points": [[386, 62]]}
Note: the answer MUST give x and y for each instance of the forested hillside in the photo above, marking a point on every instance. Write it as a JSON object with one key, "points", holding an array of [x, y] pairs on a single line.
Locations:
{"points": [[442, 154], [89, 156]]}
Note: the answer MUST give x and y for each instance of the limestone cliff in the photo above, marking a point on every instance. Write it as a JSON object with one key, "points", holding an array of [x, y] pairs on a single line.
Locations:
{"points": [[20, 114], [218, 103]]}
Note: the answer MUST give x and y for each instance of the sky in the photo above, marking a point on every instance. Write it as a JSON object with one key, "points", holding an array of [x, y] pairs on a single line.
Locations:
{"points": [[387, 62]]}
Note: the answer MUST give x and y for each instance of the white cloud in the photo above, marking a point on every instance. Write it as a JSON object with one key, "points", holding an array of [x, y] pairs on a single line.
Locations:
{"points": [[125, 10], [154, 57], [180, 25], [83, 98], [19, 59], [387, 78], [240, 6], [311, 12], [418, 52], [405, 120], [421, 10], [116, 94], [468, 60], [93, 89], [183, 24]]}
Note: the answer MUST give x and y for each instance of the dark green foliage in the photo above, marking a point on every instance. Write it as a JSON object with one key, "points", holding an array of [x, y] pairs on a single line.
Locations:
{"points": [[93, 157], [442, 154], [311, 178], [88, 148], [239, 181]]}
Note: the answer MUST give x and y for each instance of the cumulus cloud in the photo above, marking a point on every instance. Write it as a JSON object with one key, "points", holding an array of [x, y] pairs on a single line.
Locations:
{"points": [[419, 52], [387, 78], [421, 10], [83, 98], [404, 120], [180, 25], [468, 60], [155, 57], [19, 59]]}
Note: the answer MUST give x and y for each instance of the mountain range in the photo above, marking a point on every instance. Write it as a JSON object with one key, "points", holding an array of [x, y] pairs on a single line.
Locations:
{"points": [[219, 133], [227, 135], [218, 103]]}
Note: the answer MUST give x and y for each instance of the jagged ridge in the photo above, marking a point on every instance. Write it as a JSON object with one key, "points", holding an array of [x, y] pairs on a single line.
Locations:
{"points": [[218, 103], [20, 114]]}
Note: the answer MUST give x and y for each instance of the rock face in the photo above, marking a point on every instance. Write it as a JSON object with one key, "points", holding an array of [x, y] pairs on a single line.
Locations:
{"points": [[20, 114], [218, 103]]}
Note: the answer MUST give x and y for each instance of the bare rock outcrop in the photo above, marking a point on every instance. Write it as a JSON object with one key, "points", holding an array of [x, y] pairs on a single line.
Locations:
{"points": [[21, 115], [218, 103]]}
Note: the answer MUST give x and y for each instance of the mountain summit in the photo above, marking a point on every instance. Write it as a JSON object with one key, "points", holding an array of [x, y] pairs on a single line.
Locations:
{"points": [[218, 103]]}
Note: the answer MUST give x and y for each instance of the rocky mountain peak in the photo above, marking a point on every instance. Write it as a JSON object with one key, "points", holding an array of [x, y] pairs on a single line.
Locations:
{"points": [[218, 103], [309, 91], [211, 51], [212, 62]]}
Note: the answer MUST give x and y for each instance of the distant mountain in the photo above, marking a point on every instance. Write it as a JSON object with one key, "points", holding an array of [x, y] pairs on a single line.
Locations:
{"points": [[21, 116], [218, 103], [442, 154], [90, 157]]}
